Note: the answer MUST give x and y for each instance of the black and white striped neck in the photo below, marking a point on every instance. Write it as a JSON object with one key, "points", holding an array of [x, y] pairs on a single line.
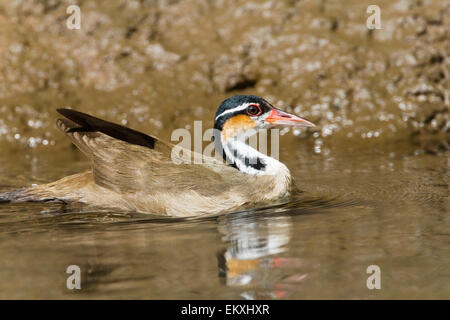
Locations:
{"points": [[246, 159]]}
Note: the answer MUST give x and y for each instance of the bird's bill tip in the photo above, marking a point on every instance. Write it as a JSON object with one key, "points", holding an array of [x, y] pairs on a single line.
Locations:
{"points": [[278, 117]]}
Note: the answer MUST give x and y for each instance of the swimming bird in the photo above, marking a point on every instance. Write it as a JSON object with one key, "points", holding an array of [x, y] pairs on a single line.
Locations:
{"points": [[136, 172]]}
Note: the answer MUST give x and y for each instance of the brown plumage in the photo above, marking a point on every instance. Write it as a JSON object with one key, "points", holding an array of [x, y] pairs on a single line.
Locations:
{"points": [[136, 172]]}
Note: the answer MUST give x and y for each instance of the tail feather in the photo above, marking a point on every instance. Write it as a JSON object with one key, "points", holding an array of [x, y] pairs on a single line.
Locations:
{"points": [[27, 195], [62, 190], [18, 195]]}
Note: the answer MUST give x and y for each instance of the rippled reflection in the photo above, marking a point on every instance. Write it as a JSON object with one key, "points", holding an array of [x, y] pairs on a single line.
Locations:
{"points": [[255, 247]]}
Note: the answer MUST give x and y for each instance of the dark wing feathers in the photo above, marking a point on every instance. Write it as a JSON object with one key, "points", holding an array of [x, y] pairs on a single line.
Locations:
{"points": [[89, 123], [126, 160]]}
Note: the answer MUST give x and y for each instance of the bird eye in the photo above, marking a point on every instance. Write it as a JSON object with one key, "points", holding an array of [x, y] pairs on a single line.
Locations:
{"points": [[253, 110]]}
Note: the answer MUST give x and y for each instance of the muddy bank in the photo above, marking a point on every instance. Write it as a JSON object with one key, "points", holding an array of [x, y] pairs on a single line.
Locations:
{"points": [[160, 65]]}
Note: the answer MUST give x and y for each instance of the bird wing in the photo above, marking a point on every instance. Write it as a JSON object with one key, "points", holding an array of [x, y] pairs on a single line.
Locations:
{"points": [[127, 161]]}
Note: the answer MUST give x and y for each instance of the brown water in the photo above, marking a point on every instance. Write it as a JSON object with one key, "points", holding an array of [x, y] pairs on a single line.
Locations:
{"points": [[360, 207]]}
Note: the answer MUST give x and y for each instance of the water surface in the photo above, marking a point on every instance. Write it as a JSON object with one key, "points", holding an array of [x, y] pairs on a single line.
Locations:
{"points": [[367, 206]]}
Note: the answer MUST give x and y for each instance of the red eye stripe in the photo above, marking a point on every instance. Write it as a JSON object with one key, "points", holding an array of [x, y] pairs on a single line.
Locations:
{"points": [[254, 110]]}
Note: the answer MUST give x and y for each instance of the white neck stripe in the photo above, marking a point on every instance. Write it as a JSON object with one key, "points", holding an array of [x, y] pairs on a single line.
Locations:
{"points": [[272, 166]]}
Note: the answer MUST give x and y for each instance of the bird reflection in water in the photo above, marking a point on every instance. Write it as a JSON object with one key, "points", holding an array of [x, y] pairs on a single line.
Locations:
{"points": [[254, 258]]}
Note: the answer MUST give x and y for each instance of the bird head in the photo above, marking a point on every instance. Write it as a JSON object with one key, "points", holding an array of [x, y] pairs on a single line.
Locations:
{"points": [[244, 115]]}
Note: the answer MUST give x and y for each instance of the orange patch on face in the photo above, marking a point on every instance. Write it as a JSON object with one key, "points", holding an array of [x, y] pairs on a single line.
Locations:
{"points": [[237, 125]]}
